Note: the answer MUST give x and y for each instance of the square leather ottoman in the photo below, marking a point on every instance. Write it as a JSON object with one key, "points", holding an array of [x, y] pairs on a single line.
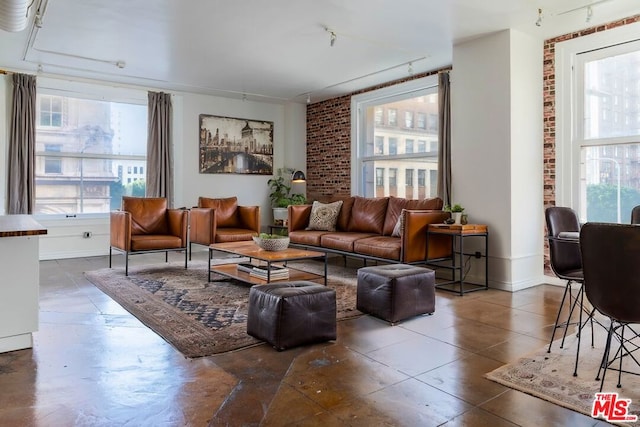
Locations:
{"points": [[396, 292], [290, 314]]}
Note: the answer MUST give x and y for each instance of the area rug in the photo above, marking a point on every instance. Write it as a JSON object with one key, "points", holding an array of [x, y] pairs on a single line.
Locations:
{"points": [[201, 318], [549, 376]]}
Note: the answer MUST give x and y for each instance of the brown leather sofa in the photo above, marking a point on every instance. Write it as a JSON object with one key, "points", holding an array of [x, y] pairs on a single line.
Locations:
{"points": [[365, 226], [222, 220], [144, 225]]}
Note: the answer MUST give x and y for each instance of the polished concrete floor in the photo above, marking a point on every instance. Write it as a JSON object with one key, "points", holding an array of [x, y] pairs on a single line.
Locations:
{"points": [[93, 364]]}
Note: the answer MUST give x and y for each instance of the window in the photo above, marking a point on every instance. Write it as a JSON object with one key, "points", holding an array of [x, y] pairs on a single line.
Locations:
{"points": [[50, 111], [379, 145], [603, 155], [80, 155], [135, 169], [408, 146], [52, 164], [422, 174], [379, 177], [408, 177], [378, 116], [393, 117], [408, 119], [128, 169], [393, 175], [393, 145], [421, 120], [371, 163]]}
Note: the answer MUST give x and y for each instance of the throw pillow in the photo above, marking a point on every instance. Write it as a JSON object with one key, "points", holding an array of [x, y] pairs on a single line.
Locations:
{"points": [[324, 216], [398, 229]]}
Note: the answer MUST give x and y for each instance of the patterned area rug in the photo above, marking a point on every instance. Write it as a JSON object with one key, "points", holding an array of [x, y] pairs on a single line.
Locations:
{"points": [[549, 376], [200, 318]]}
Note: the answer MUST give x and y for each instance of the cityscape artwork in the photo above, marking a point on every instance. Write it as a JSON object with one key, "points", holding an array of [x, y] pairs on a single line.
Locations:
{"points": [[233, 145]]}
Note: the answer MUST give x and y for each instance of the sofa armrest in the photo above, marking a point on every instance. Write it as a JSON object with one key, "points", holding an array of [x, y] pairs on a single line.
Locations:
{"points": [[178, 220], [249, 217], [202, 228], [120, 230], [414, 236], [299, 217]]}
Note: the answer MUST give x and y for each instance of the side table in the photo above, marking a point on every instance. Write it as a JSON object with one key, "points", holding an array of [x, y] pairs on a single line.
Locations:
{"points": [[458, 234]]}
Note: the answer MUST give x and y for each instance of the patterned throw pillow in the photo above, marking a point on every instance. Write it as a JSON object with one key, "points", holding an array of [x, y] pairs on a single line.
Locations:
{"points": [[324, 216], [398, 229]]}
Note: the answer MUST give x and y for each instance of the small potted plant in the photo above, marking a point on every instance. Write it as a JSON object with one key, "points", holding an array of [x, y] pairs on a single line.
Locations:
{"points": [[456, 212], [281, 197]]}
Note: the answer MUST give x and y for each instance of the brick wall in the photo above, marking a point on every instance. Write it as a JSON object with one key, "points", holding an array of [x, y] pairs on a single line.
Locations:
{"points": [[329, 144]]}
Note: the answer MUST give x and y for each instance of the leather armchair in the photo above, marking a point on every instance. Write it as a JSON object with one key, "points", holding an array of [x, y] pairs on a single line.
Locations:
{"points": [[144, 225], [222, 220]]}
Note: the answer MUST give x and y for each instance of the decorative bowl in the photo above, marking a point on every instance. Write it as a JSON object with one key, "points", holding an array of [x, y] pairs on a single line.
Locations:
{"points": [[274, 243]]}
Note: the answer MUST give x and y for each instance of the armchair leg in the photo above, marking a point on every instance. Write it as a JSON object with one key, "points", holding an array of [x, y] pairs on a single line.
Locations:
{"points": [[110, 251], [190, 251], [126, 263], [166, 256], [186, 252]]}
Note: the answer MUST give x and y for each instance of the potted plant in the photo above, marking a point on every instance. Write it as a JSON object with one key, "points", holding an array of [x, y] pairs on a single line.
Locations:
{"points": [[281, 197], [456, 212]]}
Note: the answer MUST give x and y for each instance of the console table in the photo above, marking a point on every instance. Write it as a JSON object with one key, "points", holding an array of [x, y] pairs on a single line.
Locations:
{"points": [[458, 234], [19, 264]]}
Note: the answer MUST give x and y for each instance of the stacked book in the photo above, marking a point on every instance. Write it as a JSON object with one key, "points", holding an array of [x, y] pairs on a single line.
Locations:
{"points": [[273, 272]]}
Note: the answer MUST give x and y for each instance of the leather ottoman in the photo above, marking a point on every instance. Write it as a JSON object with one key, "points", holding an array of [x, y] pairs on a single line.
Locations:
{"points": [[290, 314], [395, 292]]}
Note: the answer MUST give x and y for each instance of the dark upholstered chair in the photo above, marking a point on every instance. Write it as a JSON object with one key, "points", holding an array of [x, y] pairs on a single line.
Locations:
{"points": [[610, 254], [635, 215], [145, 225], [222, 220], [566, 263]]}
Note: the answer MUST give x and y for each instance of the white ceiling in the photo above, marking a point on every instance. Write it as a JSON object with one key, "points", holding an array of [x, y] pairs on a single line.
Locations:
{"points": [[275, 50]]}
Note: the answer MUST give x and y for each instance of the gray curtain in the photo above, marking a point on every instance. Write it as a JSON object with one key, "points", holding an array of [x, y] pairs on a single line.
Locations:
{"points": [[22, 145], [159, 150], [444, 138]]}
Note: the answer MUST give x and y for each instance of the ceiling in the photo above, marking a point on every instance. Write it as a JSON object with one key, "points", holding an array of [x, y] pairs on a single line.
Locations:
{"points": [[275, 50]]}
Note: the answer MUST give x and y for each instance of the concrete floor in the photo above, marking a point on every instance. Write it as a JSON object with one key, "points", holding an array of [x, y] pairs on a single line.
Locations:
{"points": [[93, 364]]}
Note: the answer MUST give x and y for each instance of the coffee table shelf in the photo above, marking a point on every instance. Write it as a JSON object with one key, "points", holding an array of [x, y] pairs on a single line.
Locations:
{"points": [[268, 258]]}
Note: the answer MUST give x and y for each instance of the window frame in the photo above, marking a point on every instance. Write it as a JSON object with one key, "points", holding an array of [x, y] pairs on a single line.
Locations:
{"points": [[570, 100], [359, 104], [47, 86]]}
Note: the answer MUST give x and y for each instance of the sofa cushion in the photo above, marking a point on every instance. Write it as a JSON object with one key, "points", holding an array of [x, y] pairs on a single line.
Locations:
{"points": [[342, 240], [306, 237], [379, 246], [368, 214], [324, 216], [226, 210], [345, 213]]}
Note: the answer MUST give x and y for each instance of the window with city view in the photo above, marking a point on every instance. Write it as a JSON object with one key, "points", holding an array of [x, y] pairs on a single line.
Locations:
{"points": [[88, 154], [609, 138], [395, 155]]}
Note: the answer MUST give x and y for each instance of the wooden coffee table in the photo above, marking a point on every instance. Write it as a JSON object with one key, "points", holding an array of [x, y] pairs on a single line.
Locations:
{"points": [[259, 256]]}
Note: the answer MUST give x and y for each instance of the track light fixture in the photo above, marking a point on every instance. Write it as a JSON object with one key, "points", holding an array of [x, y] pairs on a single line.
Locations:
{"points": [[308, 98], [410, 68], [589, 14], [332, 36], [539, 20]]}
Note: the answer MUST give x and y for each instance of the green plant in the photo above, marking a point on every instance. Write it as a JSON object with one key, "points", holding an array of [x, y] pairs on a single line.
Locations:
{"points": [[454, 208], [271, 236], [280, 194]]}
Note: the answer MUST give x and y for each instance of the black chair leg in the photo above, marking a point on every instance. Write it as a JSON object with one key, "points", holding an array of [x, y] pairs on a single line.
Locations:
{"points": [[110, 251], [605, 358], [126, 263], [555, 325]]}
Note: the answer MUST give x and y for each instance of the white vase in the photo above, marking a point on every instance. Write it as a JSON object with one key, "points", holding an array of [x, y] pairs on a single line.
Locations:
{"points": [[457, 216]]}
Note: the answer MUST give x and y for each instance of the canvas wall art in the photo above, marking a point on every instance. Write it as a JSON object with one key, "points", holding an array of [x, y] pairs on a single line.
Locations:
{"points": [[234, 145]]}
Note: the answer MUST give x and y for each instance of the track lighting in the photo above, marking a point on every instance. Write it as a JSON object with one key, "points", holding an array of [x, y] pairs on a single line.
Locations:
{"points": [[410, 69], [589, 14], [332, 36], [539, 21], [308, 98]]}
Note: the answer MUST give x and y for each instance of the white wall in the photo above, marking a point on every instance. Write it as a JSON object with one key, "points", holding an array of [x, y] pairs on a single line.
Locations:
{"points": [[65, 237], [497, 150]]}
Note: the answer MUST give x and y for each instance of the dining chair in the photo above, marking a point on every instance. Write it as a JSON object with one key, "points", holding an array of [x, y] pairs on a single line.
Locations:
{"points": [[563, 227], [610, 254]]}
